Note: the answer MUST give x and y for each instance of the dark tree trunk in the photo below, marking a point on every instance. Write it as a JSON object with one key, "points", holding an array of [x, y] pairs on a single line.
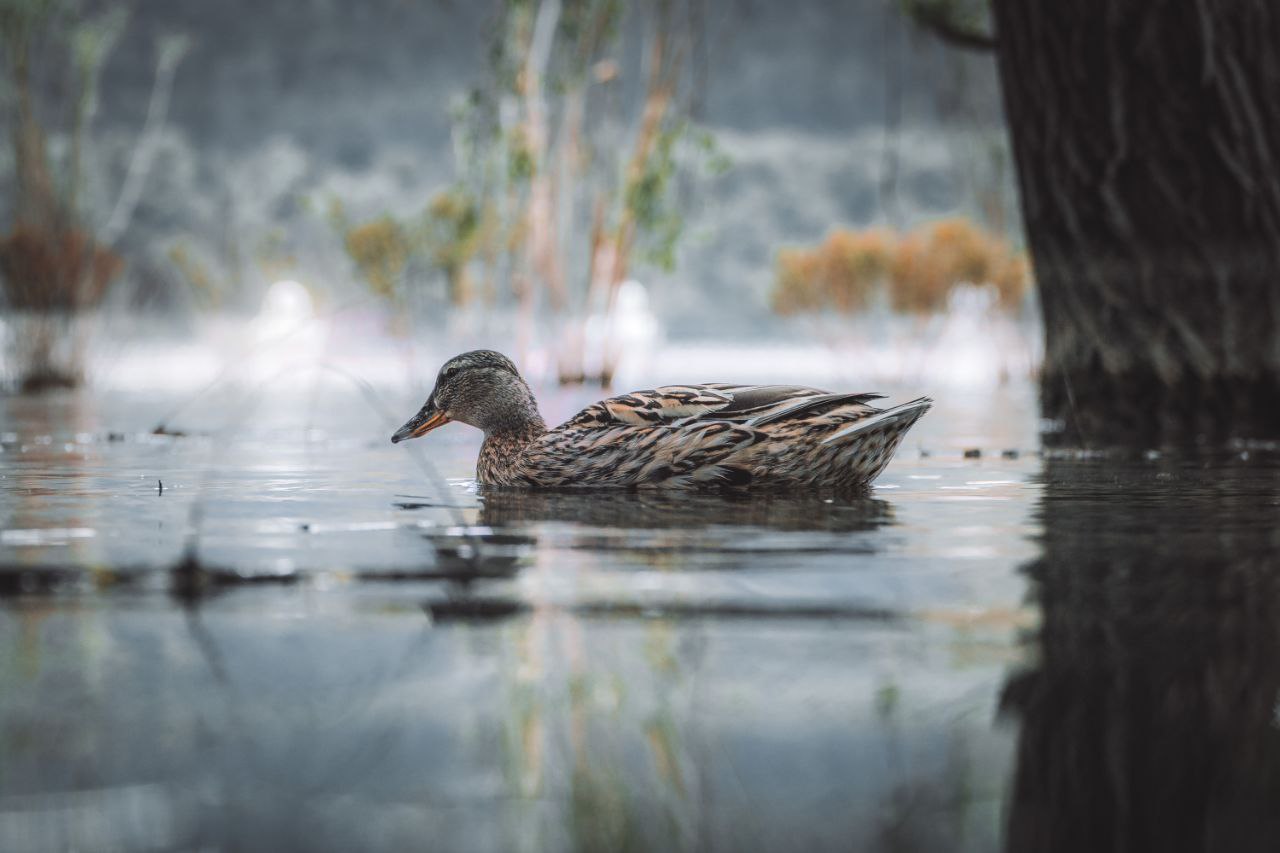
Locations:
{"points": [[1147, 141]]}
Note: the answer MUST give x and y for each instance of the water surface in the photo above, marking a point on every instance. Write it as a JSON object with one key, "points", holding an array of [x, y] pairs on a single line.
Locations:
{"points": [[277, 631]]}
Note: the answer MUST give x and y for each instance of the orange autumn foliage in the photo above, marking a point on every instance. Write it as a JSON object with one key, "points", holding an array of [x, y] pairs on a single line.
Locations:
{"points": [[918, 270], [840, 273], [46, 269]]}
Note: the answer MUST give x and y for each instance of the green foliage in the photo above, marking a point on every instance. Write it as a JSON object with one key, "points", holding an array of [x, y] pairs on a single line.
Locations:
{"points": [[652, 199], [92, 41], [453, 232], [380, 250], [636, 179], [445, 238], [651, 204], [715, 161], [547, 170], [193, 270], [521, 166]]}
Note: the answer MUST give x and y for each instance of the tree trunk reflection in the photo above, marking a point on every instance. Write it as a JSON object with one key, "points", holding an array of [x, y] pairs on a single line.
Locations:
{"points": [[1150, 719]]}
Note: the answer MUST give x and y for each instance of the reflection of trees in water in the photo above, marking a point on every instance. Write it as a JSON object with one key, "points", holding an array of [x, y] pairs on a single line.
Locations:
{"points": [[661, 510], [1149, 722], [598, 731], [603, 718]]}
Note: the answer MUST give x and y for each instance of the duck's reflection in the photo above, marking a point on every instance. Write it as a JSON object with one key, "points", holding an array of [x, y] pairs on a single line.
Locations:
{"points": [[1150, 720], [651, 510]]}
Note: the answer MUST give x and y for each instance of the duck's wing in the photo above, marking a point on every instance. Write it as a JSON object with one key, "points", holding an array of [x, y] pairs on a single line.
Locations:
{"points": [[758, 405], [655, 407], [812, 405], [751, 401], [685, 404]]}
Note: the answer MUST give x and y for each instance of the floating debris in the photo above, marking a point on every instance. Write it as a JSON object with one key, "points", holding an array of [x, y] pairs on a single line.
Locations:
{"points": [[412, 505], [15, 582], [480, 551], [1009, 453], [18, 580], [972, 453], [468, 609], [191, 580]]}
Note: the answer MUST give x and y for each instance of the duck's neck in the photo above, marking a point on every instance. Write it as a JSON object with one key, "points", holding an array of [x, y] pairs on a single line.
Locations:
{"points": [[505, 438]]}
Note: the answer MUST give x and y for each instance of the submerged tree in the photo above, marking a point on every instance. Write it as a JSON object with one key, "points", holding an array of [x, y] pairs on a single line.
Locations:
{"points": [[55, 264], [577, 152], [569, 159], [1146, 144]]}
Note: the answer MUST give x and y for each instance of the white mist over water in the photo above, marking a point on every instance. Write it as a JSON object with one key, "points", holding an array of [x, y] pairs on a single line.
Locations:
{"points": [[969, 349]]}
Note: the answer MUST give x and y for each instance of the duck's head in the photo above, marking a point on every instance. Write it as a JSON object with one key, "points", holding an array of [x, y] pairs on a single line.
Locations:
{"points": [[481, 388]]}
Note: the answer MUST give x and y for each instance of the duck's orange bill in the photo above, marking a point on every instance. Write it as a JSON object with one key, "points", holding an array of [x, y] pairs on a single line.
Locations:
{"points": [[422, 423]]}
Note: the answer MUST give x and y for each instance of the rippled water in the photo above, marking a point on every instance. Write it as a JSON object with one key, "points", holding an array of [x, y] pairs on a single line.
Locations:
{"points": [[278, 631]]}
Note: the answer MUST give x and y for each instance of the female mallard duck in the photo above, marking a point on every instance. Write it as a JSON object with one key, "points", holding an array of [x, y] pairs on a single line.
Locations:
{"points": [[677, 436]]}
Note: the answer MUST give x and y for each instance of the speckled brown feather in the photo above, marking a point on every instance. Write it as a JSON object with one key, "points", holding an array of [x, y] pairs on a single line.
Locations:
{"points": [[676, 436], [693, 437]]}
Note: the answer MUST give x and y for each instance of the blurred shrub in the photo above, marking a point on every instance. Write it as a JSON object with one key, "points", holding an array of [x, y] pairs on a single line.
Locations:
{"points": [[454, 231], [447, 237], [55, 269], [917, 270], [841, 273], [380, 250], [931, 261], [193, 270]]}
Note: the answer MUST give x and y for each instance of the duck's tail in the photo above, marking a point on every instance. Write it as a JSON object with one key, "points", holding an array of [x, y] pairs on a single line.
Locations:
{"points": [[860, 451], [897, 419]]}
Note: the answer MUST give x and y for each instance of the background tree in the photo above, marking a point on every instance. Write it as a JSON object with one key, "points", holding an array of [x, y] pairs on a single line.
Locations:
{"points": [[570, 158], [55, 264], [1146, 143]]}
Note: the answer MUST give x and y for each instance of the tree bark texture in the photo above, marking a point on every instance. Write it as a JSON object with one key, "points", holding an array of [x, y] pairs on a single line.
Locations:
{"points": [[1147, 141]]}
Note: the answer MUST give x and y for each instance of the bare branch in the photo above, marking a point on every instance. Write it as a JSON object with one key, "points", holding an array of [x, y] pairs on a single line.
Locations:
{"points": [[171, 50]]}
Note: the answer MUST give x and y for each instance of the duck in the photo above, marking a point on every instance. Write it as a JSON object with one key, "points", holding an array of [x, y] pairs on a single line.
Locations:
{"points": [[703, 436]]}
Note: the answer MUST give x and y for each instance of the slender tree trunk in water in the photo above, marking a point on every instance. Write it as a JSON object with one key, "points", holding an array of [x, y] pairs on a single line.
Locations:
{"points": [[1147, 140], [36, 203]]}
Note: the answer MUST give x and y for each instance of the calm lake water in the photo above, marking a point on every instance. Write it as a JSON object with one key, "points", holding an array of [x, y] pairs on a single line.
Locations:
{"points": [[996, 653]]}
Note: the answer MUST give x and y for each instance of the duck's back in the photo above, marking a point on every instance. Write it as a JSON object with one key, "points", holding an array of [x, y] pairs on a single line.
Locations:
{"points": [[718, 435]]}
